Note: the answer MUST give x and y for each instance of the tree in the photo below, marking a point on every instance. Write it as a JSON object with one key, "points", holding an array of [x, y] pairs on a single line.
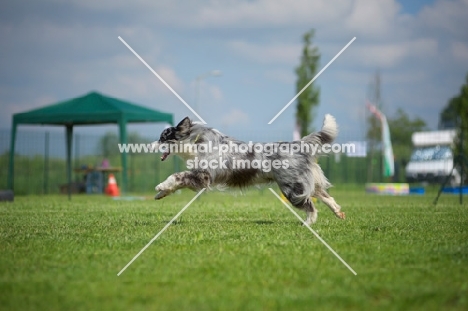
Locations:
{"points": [[448, 115], [401, 130], [309, 98], [108, 144], [456, 114]]}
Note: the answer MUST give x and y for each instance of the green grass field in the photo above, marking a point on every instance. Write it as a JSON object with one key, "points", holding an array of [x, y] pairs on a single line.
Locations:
{"points": [[233, 252]]}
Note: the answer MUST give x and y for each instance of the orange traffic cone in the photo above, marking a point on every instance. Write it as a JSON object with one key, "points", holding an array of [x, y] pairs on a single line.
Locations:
{"points": [[112, 188]]}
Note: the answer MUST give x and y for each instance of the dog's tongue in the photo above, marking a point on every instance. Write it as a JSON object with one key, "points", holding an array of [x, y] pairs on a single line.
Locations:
{"points": [[164, 156]]}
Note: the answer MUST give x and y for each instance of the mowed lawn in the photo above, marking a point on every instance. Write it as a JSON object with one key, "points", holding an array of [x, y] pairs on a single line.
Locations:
{"points": [[233, 252]]}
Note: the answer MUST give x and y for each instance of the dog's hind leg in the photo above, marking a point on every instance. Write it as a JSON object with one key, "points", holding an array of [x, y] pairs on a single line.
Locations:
{"points": [[311, 212], [195, 180], [330, 202], [295, 193]]}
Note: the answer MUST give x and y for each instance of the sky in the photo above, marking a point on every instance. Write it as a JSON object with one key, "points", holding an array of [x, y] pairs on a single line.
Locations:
{"points": [[55, 50]]}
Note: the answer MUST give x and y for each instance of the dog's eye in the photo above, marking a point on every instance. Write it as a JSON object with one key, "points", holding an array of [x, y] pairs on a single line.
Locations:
{"points": [[163, 136], [167, 135]]}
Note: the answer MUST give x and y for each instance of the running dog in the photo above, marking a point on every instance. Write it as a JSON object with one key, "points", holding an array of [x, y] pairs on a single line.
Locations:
{"points": [[296, 172]]}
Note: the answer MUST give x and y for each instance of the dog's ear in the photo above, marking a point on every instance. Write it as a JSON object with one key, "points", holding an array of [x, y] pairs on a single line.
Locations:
{"points": [[185, 122], [184, 126]]}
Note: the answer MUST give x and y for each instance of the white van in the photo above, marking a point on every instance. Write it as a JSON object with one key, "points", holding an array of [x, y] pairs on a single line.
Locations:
{"points": [[432, 158]]}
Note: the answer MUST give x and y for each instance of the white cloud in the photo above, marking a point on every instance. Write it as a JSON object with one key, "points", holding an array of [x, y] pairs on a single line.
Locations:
{"points": [[215, 92], [267, 53], [228, 13], [17, 107], [11, 107], [370, 17], [369, 54], [235, 117], [460, 51], [270, 12], [170, 76], [449, 17], [385, 55], [68, 52], [208, 93]]}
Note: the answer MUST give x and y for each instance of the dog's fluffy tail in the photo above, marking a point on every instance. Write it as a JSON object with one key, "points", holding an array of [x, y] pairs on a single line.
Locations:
{"points": [[326, 135]]}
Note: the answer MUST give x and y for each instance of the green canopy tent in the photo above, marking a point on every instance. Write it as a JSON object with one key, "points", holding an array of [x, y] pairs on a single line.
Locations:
{"points": [[90, 109]]}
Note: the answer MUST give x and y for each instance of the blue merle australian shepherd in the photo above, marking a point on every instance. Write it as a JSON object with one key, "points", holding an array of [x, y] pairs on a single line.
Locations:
{"points": [[297, 173]]}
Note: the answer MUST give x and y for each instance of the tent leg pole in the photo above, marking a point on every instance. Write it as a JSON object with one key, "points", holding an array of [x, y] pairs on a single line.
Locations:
{"points": [[11, 163], [69, 144], [123, 140]]}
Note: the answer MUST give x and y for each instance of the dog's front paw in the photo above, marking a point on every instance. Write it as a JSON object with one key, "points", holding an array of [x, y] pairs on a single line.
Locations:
{"points": [[161, 194], [165, 188], [163, 191], [341, 215]]}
